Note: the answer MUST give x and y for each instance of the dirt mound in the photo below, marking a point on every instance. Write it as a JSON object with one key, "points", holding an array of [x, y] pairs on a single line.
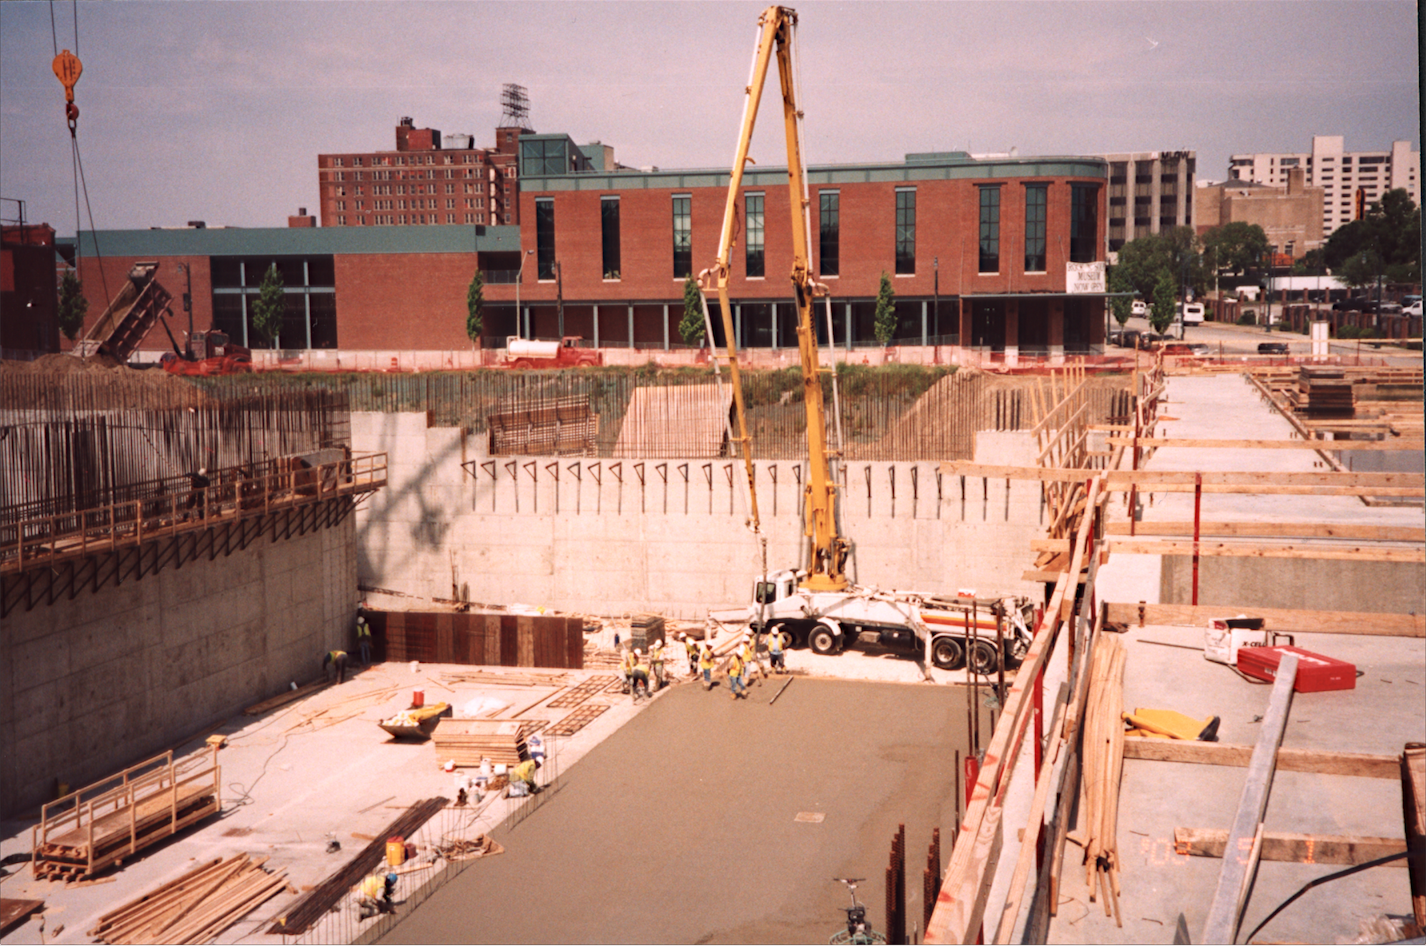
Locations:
{"points": [[62, 381]]}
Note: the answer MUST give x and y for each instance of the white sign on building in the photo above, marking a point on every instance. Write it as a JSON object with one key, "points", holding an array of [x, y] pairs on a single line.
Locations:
{"points": [[1084, 277]]}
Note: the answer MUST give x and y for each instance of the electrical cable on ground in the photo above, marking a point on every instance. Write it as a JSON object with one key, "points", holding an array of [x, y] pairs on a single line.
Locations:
{"points": [[1322, 880]]}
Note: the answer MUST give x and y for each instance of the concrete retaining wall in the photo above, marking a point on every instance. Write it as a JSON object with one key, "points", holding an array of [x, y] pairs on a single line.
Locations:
{"points": [[94, 684], [1302, 583], [609, 537]]}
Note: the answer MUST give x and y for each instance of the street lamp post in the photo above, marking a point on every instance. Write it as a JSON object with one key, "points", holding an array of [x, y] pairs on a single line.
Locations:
{"points": [[519, 277]]}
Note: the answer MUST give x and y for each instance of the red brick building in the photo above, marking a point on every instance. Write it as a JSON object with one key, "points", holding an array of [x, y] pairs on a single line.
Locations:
{"points": [[29, 299], [429, 180], [999, 255]]}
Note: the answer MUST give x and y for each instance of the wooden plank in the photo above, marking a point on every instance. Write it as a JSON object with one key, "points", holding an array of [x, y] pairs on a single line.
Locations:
{"points": [[1354, 553], [14, 912], [1293, 848], [445, 641], [1225, 912], [1332, 445], [1413, 809], [1320, 762], [1278, 619], [509, 640], [1301, 530]]}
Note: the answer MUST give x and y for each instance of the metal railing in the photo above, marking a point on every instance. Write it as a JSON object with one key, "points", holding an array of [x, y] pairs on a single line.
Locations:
{"points": [[29, 536]]}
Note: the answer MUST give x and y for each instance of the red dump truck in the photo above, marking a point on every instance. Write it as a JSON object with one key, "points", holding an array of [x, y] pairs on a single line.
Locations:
{"points": [[565, 353]]}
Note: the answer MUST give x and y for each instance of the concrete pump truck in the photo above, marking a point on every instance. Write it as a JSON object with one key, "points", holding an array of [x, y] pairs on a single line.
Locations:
{"points": [[816, 603]]}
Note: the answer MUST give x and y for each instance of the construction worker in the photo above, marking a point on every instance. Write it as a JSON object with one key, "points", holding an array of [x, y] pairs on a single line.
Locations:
{"points": [[749, 657], [690, 647], [776, 644], [363, 633], [656, 664], [640, 676], [627, 662], [736, 669], [524, 774], [706, 661], [336, 659]]}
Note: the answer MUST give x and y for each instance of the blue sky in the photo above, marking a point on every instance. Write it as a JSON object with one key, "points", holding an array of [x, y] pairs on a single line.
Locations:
{"points": [[198, 109]]}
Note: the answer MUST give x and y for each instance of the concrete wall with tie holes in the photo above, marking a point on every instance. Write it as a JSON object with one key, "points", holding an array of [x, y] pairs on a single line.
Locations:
{"points": [[600, 536]]}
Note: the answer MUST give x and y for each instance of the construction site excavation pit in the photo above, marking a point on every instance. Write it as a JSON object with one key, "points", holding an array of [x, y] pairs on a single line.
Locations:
{"points": [[706, 819]]}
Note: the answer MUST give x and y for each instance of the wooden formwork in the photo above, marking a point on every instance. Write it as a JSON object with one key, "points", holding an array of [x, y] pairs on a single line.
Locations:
{"points": [[103, 823]]}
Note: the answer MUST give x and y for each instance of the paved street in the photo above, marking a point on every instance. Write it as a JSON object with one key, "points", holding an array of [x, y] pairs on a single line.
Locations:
{"points": [[1237, 340]]}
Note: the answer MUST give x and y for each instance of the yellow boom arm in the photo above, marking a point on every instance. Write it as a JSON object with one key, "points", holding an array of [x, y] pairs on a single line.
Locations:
{"points": [[826, 549]]}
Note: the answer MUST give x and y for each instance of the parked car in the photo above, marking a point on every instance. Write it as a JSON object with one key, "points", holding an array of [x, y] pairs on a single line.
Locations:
{"points": [[1191, 314], [1127, 339], [1389, 308], [1413, 309], [1359, 304], [1272, 348]]}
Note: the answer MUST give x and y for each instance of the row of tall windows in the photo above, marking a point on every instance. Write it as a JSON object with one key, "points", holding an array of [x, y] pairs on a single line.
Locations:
{"points": [[309, 294], [1084, 220], [1082, 249]]}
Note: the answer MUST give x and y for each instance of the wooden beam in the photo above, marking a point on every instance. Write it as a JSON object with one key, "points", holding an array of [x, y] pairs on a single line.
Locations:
{"points": [[1316, 761], [1240, 859], [1336, 552], [1293, 848], [1213, 481], [1303, 530], [1333, 445], [1278, 619]]}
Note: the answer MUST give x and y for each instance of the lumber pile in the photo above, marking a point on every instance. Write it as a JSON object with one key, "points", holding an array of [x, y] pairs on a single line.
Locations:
{"points": [[467, 741], [495, 678], [196, 907], [306, 912], [1103, 768], [1324, 392]]}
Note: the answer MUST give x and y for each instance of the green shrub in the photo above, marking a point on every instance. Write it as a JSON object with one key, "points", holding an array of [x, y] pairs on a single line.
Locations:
{"points": [[1249, 317]]}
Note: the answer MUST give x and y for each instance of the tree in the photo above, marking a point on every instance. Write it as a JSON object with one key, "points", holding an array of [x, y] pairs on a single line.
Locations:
{"points": [[885, 322], [1361, 270], [1388, 237], [1120, 306], [72, 305], [271, 306], [1161, 312], [1236, 246], [474, 306], [1173, 252], [691, 329]]}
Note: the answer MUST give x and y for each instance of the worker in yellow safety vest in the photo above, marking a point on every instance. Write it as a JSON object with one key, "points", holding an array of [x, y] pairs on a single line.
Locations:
{"points": [[776, 650], [706, 662], [639, 676], [336, 659], [750, 657], [690, 647], [656, 660], [736, 669], [363, 639], [525, 773]]}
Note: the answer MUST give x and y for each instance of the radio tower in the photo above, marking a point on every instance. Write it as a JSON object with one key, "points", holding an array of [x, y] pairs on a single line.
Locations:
{"points": [[515, 105]]}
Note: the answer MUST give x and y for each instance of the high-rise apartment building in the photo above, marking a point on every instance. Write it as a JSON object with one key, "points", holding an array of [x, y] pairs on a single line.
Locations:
{"points": [[1149, 192], [428, 180], [1339, 173]]}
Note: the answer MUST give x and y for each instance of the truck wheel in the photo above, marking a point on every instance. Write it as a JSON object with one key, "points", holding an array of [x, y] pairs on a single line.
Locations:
{"points": [[948, 654], [822, 639], [1018, 647], [983, 659]]}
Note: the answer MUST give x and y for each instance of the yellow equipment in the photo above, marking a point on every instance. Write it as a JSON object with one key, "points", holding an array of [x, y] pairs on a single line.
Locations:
{"points": [[1173, 724], [826, 548]]}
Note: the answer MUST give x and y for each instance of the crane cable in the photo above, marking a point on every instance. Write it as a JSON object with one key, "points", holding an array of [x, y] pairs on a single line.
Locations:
{"points": [[67, 68]]}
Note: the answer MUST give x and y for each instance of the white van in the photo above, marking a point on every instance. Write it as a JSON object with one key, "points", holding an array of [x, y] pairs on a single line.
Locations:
{"points": [[1192, 314]]}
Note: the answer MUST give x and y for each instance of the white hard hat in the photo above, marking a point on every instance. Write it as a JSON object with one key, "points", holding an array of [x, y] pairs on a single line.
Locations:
{"points": [[638, 652]]}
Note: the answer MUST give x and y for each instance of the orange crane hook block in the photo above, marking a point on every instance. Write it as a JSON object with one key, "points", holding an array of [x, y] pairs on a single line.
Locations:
{"points": [[67, 68]]}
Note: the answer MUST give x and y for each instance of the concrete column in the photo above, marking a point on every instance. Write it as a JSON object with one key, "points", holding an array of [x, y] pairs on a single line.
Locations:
{"points": [[967, 331], [631, 326], [665, 326], [924, 336], [1012, 332], [848, 326], [738, 324], [596, 326], [772, 314]]}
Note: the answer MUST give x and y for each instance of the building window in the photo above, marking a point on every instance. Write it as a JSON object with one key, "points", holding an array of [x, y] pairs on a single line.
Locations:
{"points": [[754, 217], [829, 233], [682, 236], [905, 231], [609, 230], [1035, 203], [990, 229], [545, 238], [1084, 222]]}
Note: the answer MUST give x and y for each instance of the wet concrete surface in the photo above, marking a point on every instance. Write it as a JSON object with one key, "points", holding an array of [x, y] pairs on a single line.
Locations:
{"points": [[682, 827]]}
